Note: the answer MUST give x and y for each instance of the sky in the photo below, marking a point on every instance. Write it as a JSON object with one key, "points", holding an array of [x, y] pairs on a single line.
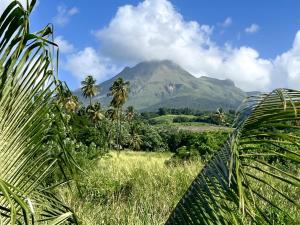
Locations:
{"points": [[254, 43]]}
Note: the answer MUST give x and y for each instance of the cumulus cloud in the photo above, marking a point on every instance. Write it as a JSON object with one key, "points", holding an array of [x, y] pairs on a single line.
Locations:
{"points": [[253, 28], [64, 45], [155, 30], [89, 62], [227, 22], [287, 66], [64, 15]]}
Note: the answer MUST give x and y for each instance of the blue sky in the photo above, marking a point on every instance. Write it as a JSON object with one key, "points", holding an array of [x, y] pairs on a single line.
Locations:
{"points": [[254, 43]]}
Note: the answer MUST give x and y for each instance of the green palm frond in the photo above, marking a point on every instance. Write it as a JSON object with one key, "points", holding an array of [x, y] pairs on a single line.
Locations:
{"points": [[119, 91], [26, 85], [255, 173]]}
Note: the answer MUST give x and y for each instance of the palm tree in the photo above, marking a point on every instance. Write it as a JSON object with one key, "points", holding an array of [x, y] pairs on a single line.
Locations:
{"points": [[72, 103], [111, 114], [65, 98], [95, 112], [88, 88], [240, 184], [130, 113], [119, 92], [219, 116], [135, 139], [27, 86]]}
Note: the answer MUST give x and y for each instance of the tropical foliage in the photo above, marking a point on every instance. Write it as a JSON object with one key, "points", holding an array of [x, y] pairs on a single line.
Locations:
{"points": [[27, 84], [232, 186]]}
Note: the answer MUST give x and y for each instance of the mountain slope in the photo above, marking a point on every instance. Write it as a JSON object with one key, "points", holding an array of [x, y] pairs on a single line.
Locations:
{"points": [[157, 84]]}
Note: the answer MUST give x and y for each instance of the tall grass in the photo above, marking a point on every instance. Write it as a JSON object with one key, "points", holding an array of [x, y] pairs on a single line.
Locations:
{"points": [[131, 188], [138, 188]]}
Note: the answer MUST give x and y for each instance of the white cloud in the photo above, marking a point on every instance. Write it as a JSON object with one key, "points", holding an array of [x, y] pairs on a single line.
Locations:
{"points": [[246, 69], [88, 61], [155, 30], [73, 11], [287, 66], [253, 28], [64, 15], [64, 45], [227, 22]]}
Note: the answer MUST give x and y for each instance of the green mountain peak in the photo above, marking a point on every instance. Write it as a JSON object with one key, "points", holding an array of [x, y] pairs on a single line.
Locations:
{"points": [[156, 84]]}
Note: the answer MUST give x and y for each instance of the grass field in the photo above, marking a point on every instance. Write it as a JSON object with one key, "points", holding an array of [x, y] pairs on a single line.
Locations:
{"points": [[169, 118], [190, 126], [194, 127], [138, 188], [130, 188]]}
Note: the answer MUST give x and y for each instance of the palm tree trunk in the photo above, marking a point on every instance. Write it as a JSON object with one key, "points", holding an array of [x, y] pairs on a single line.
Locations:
{"points": [[119, 129], [90, 100]]}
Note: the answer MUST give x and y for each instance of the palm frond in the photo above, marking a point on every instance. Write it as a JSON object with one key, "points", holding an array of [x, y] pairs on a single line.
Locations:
{"points": [[26, 85], [249, 177]]}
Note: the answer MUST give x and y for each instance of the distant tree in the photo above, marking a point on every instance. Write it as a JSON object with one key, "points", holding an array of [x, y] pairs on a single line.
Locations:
{"points": [[135, 139], [88, 88], [130, 113], [219, 116], [119, 92], [111, 114], [162, 111], [72, 103], [65, 98], [95, 112]]}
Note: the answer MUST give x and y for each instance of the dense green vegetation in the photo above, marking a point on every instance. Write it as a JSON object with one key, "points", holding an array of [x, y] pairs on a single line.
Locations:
{"points": [[29, 122], [63, 162]]}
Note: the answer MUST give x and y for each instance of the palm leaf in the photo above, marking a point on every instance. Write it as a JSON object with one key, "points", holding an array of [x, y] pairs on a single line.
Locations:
{"points": [[26, 85], [255, 173]]}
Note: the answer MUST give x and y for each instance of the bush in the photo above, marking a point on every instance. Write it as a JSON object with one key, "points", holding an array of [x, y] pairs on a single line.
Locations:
{"points": [[186, 145], [182, 119]]}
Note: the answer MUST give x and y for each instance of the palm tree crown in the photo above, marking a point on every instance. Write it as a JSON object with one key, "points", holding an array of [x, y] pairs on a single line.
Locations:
{"points": [[89, 88], [130, 113], [119, 90], [95, 112]]}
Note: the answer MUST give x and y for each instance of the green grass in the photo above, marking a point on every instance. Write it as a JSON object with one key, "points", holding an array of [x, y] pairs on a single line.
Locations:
{"points": [[130, 188], [137, 188], [201, 127], [169, 118], [189, 126]]}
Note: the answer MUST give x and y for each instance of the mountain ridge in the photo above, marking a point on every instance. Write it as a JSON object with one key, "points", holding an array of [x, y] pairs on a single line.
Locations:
{"points": [[156, 84]]}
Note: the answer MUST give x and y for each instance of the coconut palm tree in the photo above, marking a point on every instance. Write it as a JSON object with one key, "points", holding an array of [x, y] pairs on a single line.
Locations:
{"points": [[88, 88], [135, 139], [65, 98], [119, 92], [72, 103], [95, 112], [130, 113], [111, 114], [240, 184], [27, 86], [219, 116]]}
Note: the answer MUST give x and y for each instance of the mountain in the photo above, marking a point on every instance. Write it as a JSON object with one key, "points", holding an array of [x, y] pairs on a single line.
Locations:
{"points": [[156, 84]]}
